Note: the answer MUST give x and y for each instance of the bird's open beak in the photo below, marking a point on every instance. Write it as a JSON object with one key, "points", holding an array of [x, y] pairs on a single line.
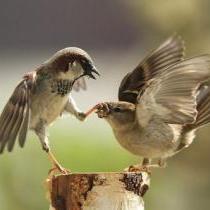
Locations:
{"points": [[93, 70]]}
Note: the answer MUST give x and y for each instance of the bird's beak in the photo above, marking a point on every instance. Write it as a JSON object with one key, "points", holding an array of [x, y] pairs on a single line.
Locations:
{"points": [[93, 70]]}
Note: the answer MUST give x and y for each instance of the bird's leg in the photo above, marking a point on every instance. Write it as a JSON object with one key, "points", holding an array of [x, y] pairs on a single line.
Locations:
{"points": [[147, 165], [45, 146], [90, 111], [56, 165], [161, 163], [144, 167], [72, 108]]}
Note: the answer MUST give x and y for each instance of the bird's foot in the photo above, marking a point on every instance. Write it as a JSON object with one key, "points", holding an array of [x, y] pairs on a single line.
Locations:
{"points": [[81, 116], [146, 168], [58, 169], [139, 168], [101, 109]]}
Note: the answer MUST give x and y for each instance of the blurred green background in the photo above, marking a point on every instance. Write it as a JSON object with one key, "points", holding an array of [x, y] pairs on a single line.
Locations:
{"points": [[117, 34]]}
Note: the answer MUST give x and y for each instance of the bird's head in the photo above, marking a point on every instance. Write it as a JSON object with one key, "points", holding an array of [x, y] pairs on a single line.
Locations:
{"points": [[72, 63], [116, 113]]}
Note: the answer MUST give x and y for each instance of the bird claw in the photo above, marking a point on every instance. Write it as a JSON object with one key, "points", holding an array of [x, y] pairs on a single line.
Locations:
{"points": [[81, 116], [102, 110], [145, 168], [57, 169], [138, 168]]}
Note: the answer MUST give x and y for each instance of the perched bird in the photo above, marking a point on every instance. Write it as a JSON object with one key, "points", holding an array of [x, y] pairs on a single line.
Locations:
{"points": [[162, 102], [42, 96]]}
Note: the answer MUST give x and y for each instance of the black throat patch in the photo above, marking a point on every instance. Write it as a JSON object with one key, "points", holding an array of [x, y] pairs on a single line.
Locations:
{"points": [[61, 87]]}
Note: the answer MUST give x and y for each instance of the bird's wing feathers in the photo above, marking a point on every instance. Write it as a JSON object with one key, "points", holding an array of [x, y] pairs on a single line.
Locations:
{"points": [[14, 119], [172, 95], [168, 53], [25, 124]]}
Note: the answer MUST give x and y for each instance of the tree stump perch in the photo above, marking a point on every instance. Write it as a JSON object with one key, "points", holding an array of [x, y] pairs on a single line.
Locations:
{"points": [[99, 191]]}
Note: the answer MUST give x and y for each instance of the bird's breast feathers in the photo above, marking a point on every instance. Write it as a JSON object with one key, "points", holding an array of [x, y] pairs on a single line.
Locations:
{"points": [[61, 87], [48, 102]]}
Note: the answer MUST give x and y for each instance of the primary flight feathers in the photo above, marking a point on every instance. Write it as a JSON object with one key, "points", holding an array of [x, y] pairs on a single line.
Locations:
{"points": [[168, 53]]}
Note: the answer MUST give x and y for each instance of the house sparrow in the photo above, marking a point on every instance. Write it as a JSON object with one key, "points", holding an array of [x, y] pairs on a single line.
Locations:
{"points": [[42, 96], [162, 102]]}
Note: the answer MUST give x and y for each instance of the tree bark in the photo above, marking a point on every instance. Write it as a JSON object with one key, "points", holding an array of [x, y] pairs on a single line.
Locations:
{"points": [[99, 191]]}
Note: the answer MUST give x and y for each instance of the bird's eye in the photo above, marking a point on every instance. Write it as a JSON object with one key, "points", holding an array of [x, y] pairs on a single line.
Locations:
{"points": [[74, 64], [117, 109], [85, 64]]}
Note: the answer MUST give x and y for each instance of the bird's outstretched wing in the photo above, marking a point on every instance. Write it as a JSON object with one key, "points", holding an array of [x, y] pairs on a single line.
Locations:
{"points": [[168, 53], [14, 120], [172, 95]]}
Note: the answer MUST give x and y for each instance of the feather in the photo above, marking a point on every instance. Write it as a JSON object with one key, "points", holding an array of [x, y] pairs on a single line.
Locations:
{"points": [[17, 123], [203, 108], [12, 116], [172, 95], [25, 125], [168, 53]]}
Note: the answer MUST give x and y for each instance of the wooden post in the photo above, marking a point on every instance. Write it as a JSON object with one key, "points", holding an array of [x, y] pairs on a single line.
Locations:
{"points": [[99, 191]]}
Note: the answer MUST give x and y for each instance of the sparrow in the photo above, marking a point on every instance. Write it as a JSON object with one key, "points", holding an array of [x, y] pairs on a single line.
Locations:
{"points": [[162, 102], [42, 96]]}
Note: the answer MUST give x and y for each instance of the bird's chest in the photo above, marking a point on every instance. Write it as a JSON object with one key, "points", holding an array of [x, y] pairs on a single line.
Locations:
{"points": [[130, 138], [153, 142], [49, 100]]}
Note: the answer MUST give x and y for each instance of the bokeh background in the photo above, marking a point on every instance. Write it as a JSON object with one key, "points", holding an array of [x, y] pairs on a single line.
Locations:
{"points": [[117, 34]]}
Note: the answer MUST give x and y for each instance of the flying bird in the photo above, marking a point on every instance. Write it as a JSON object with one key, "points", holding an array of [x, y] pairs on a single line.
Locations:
{"points": [[162, 102], [42, 96]]}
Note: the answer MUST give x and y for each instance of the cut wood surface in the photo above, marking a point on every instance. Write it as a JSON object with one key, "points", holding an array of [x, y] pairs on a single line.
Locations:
{"points": [[98, 191]]}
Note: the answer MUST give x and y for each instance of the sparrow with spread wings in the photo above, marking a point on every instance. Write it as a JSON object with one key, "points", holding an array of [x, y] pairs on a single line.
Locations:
{"points": [[162, 102], [42, 96]]}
